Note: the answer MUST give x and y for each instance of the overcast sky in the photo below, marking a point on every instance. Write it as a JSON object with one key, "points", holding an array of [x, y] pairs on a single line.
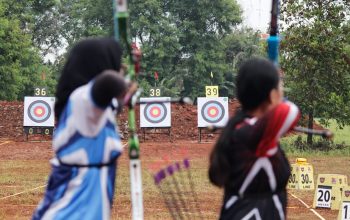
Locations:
{"points": [[256, 13]]}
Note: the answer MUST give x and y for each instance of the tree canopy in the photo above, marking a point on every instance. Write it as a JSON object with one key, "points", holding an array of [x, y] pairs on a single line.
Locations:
{"points": [[21, 66], [316, 58]]}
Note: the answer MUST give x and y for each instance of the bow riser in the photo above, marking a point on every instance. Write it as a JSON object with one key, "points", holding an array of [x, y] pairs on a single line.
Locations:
{"points": [[121, 16]]}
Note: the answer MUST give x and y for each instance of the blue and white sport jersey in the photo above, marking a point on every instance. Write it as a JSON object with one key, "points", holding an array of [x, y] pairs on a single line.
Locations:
{"points": [[86, 144]]}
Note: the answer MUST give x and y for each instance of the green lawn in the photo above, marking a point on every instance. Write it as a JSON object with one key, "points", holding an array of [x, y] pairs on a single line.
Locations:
{"points": [[341, 137]]}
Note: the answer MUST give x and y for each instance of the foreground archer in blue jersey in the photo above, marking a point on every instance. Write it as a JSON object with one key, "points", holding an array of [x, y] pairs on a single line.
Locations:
{"points": [[247, 160], [85, 143]]}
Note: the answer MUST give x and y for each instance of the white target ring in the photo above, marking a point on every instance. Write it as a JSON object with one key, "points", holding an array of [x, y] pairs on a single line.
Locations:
{"points": [[212, 111], [38, 111], [155, 112]]}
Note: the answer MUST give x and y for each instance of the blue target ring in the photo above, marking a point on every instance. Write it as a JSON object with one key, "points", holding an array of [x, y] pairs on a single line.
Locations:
{"points": [[155, 112], [213, 111], [39, 111]]}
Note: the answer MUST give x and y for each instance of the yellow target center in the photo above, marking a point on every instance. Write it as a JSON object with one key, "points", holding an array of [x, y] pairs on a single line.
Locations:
{"points": [[155, 112], [39, 111], [212, 112]]}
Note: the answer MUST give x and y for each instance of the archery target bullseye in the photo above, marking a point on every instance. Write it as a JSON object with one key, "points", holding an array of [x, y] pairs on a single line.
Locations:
{"points": [[155, 112], [212, 111], [38, 111]]}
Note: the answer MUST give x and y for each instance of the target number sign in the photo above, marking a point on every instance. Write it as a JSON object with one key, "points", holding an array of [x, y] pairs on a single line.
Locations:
{"points": [[345, 210], [40, 91], [212, 111], [155, 92], [38, 112], [324, 195], [212, 91], [155, 112]]}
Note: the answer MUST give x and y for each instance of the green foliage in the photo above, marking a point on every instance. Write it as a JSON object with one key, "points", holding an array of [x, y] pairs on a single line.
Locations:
{"points": [[20, 62], [339, 145], [314, 57], [184, 41], [240, 45], [181, 41]]}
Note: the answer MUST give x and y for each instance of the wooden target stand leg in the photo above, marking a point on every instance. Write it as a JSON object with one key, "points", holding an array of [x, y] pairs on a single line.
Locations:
{"points": [[199, 135], [144, 131], [200, 132]]}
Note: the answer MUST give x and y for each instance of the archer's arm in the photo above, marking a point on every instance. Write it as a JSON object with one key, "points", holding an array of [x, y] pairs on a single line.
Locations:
{"points": [[274, 125]]}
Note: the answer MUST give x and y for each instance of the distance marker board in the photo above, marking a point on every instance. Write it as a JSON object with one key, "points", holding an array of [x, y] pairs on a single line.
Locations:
{"points": [[155, 112], [302, 175], [212, 111], [344, 209], [39, 111]]}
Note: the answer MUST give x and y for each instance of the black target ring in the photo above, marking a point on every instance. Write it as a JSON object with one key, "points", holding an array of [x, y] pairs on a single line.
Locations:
{"points": [[204, 115], [47, 108], [148, 106]]}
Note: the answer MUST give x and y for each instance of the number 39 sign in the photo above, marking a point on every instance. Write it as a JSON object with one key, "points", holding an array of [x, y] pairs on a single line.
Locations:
{"points": [[212, 91]]}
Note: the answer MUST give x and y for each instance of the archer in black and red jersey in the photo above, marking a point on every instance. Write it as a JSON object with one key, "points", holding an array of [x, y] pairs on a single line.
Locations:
{"points": [[247, 160]]}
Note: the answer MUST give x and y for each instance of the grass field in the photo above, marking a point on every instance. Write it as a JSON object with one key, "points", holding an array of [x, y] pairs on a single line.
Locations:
{"points": [[341, 137], [24, 168]]}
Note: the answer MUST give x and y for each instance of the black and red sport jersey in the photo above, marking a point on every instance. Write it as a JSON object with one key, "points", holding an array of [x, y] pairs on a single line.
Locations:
{"points": [[259, 170]]}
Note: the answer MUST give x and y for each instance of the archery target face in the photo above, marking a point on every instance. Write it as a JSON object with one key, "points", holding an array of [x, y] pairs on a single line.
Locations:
{"points": [[155, 113], [212, 111], [38, 111]]}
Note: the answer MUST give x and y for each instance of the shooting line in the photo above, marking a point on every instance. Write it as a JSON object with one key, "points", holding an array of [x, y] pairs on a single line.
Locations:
{"points": [[6, 142], [35, 188], [307, 206], [23, 192]]}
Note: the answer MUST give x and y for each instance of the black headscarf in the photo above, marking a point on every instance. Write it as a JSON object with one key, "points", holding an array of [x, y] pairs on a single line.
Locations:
{"points": [[87, 59]]}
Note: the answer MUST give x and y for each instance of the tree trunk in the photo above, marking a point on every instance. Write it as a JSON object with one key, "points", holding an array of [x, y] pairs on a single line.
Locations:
{"points": [[310, 125]]}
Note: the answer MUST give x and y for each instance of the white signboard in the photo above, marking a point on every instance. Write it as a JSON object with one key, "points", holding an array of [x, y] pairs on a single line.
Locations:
{"points": [[155, 112], [324, 195], [39, 111], [212, 111]]}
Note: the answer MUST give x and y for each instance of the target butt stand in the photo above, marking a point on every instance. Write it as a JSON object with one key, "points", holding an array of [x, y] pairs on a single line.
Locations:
{"points": [[43, 131], [38, 114], [155, 115], [156, 130], [211, 112]]}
